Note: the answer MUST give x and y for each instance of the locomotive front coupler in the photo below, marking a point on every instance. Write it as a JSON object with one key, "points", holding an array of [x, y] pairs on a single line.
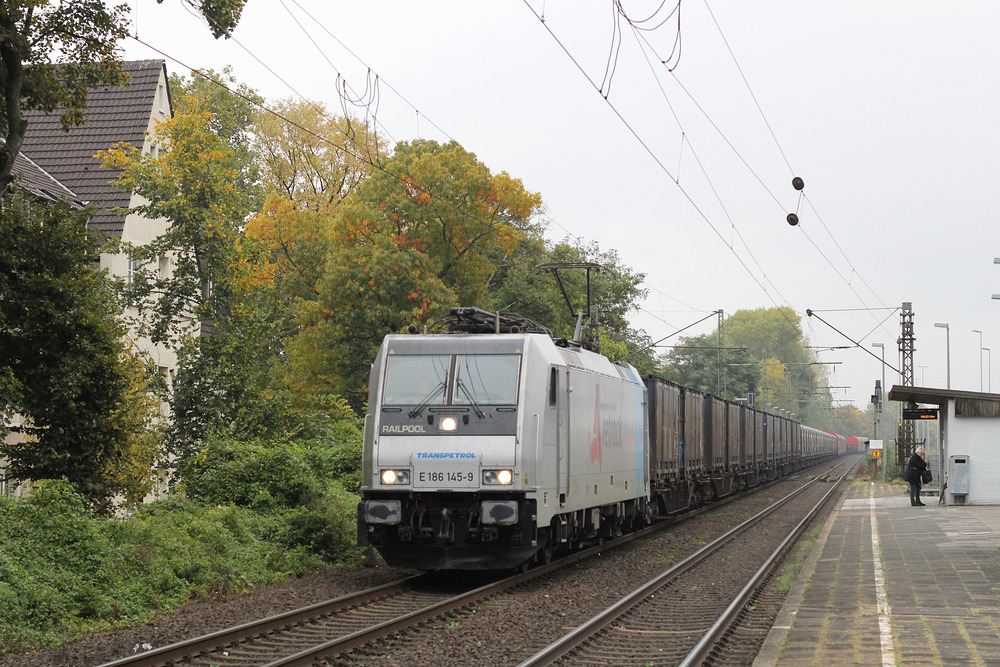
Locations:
{"points": [[446, 530]]}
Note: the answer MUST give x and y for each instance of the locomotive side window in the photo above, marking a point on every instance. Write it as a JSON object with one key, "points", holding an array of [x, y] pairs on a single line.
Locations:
{"points": [[413, 379], [553, 385], [487, 379]]}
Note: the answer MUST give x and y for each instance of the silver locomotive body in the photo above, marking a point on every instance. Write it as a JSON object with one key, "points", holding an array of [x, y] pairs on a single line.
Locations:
{"points": [[484, 451]]}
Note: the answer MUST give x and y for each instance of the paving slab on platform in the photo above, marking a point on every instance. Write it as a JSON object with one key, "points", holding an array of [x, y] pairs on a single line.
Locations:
{"points": [[932, 597]]}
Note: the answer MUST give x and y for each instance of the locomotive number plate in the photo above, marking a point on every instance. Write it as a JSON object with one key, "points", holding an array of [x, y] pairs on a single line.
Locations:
{"points": [[439, 476], [443, 478]]}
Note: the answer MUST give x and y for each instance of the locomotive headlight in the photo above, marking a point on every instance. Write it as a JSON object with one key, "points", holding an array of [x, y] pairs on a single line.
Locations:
{"points": [[390, 477], [449, 424], [498, 477]]}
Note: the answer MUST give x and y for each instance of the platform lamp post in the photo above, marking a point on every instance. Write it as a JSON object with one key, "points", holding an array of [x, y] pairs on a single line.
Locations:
{"points": [[996, 260], [980, 358], [947, 342]]}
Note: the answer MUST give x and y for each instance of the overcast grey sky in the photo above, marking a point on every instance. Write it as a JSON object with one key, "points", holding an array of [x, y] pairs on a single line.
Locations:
{"points": [[888, 111]]}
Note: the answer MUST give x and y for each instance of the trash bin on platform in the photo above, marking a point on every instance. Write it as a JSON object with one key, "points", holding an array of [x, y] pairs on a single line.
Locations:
{"points": [[958, 477]]}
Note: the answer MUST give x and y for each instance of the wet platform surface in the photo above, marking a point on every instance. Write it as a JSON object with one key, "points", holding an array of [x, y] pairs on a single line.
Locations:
{"points": [[923, 588]]}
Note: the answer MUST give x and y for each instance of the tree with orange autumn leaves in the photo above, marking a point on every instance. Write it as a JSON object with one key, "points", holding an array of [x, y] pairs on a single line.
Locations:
{"points": [[411, 240], [351, 243], [202, 184]]}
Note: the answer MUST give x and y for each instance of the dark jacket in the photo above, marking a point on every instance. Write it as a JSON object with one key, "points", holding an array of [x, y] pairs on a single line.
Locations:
{"points": [[914, 467]]}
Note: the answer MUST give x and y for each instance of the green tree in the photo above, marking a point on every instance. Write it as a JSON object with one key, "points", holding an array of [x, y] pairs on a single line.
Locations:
{"points": [[848, 420], [770, 351], [311, 157], [366, 292], [439, 200], [10, 396], [228, 322], [195, 186], [88, 411], [792, 378], [701, 363], [413, 239], [233, 106], [222, 15], [310, 166], [51, 54], [518, 285]]}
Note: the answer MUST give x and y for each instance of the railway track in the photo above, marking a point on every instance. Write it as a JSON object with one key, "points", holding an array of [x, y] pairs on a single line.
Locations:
{"points": [[323, 631], [308, 635], [685, 615], [302, 636]]}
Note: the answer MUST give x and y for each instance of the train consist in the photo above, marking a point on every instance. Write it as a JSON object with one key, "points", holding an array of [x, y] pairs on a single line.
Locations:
{"points": [[493, 445]]}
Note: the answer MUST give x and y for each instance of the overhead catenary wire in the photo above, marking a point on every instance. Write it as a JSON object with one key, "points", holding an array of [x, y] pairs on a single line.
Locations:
{"points": [[767, 285], [701, 166], [355, 96], [353, 153], [603, 92], [780, 149], [649, 150], [802, 195], [366, 65], [357, 155]]}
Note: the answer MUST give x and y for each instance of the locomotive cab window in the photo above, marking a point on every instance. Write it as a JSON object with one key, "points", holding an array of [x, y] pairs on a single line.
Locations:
{"points": [[412, 379], [488, 379], [462, 379]]}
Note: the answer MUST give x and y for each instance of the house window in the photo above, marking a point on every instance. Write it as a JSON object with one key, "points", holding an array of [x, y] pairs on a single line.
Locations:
{"points": [[164, 266], [133, 269]]}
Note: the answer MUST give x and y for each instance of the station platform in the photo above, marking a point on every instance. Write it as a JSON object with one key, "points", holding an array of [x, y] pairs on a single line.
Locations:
{"points": [[922, 588]]}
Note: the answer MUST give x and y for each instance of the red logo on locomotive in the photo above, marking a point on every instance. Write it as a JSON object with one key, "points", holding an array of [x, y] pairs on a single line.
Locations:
{"points": [[596, 453]]}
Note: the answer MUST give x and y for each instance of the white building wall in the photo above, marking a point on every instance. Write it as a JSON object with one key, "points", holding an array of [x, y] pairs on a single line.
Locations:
{"points": [[141, 231], [979, 439]]}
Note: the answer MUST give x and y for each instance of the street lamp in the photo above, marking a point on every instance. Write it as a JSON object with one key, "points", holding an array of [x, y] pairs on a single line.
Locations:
{"points": [[878, 408], [980, 358], [947, 342], [996, 260]]}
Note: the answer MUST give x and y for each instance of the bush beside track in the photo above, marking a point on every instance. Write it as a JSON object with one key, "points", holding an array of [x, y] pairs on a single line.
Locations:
{"points": [[248, 514]]}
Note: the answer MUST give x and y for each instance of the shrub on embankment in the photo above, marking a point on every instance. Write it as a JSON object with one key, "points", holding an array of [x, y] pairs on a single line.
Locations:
{"points": [[252, 514]]}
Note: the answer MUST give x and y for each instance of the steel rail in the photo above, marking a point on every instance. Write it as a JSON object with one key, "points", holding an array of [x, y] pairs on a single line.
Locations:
{"points": [[711, 638], [196, 646], [309, 656], [571, 640]]}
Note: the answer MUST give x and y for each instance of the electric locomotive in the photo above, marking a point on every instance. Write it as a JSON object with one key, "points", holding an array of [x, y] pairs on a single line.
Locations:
{"points": [[493, 444]]}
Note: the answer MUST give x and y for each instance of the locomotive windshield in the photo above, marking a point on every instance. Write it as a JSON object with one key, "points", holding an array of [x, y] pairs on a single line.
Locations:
{"points": [[487, 379], [461, 379], [413, 379]]}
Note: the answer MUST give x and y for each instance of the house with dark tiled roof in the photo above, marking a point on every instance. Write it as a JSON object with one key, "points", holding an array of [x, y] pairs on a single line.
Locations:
{"points": [[40, 183], [114, 114], [61, 164]]}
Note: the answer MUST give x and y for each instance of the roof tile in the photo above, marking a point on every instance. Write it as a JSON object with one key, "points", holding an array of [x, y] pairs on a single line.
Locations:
{"points": [[114, 114]]}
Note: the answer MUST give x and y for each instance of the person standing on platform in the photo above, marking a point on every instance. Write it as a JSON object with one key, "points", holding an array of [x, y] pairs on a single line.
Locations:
{"points": [[915, 467]]}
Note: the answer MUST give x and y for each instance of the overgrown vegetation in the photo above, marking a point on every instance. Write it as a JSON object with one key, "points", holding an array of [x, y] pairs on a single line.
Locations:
{"points": [[249, 513], [792, 565]]}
